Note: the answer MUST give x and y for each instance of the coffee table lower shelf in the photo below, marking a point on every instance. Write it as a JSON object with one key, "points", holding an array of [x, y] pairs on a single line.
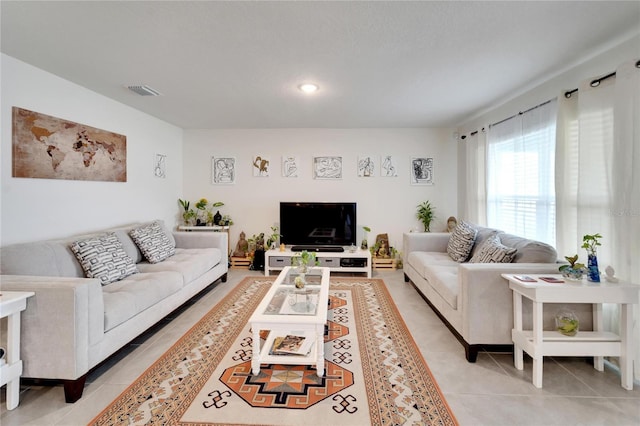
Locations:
{"points": [[315, 356]]}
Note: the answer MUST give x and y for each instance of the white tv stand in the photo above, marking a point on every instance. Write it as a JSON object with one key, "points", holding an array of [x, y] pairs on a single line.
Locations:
{"points": [[276, 260]]}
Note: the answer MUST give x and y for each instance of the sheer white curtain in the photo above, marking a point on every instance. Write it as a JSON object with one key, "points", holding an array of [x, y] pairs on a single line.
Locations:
{"points": [[598, 177], [520, 174], [475, 156]]}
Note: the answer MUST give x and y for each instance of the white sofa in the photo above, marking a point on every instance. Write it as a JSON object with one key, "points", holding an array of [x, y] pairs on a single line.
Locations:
{"points": [[74, 323], [472, 299]]}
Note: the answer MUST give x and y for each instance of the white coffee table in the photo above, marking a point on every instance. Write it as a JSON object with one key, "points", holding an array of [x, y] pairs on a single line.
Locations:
{"points": [[11, 304], [598, 343], [286, 310]]}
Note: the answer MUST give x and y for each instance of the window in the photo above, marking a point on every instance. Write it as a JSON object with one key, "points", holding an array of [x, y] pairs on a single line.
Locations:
{"points": [[521, 176]]}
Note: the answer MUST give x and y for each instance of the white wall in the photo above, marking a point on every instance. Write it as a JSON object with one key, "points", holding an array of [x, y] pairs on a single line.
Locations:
{"points": [[386, 205], [599, 65], [34, 209]]}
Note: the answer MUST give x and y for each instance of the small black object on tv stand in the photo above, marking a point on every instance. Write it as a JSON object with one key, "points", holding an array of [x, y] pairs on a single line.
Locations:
{"points": [[323, 249]]}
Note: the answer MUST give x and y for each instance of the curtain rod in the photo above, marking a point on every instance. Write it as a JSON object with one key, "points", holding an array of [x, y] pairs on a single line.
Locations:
{"points": [[567, 94], [520, 113], [596, 82], [509, 118]]}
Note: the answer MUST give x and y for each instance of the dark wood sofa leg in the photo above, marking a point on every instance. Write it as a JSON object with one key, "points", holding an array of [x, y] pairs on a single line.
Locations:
{"points": [[471, 352], [406, 278], [223, 278], [73, 389]]}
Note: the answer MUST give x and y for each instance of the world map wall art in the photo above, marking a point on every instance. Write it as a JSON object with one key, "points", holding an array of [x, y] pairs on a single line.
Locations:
{"points": [[48, 147]]}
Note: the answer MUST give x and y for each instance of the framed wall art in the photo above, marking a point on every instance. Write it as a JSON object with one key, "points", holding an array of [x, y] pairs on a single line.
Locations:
{"points": [[260, 166], [223, 170], [388, 167], [160, 166], [367, 165], [290, 166], [422, 171], [48, 147], [327, 168]]}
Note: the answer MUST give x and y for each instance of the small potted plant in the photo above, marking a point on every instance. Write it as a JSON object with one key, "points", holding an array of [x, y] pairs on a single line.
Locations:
{"points": [[567, 322], [425, 214], [590, 243], [271, 241], [188, 214], [304, 260], [574, 270], [365, 243]]}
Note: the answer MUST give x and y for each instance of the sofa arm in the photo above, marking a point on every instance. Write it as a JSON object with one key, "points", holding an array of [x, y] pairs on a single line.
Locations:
{"points": [[486, 302], [204, 239], [62, 321], [424, 241]]}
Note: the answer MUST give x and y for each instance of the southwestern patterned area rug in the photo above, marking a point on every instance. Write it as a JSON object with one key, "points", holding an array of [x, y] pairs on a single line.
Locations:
{"points": [[374, 372]]}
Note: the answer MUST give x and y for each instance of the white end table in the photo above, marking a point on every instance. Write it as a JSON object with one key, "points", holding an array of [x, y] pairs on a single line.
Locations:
{"points": [[11, 304], [598, 343]]}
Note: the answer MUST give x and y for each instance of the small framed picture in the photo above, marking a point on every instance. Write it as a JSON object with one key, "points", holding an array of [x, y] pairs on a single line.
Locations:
{"points": [[367, 165], [290, 165], [422, 171], [223, 170], [160, 166], [388, 166], [260, 166], [328, 168]]}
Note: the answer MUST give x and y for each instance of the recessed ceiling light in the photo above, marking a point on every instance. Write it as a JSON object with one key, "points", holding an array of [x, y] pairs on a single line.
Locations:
{"points": [[308, 87]]}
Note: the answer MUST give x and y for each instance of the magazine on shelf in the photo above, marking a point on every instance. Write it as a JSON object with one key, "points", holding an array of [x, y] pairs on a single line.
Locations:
{"points": [[553, 280], [525, 278], [291, 344]]}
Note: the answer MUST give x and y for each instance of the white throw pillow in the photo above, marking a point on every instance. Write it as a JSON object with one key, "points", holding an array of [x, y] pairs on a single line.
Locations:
{"points": [[104, 257], [461, 242], [153, 242], [493, 251]]}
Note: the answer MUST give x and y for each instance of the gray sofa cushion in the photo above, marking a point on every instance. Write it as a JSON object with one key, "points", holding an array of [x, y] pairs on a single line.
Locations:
{"points": [[529, 251], [126, 298], [189, 263], [444, 280]]}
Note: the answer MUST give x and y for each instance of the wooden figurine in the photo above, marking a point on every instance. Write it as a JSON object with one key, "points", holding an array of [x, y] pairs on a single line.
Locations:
{"points": [[242, 248]]}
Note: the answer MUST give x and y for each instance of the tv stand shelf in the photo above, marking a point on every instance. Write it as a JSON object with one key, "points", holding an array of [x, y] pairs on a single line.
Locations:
{"points": [[358, 261]]}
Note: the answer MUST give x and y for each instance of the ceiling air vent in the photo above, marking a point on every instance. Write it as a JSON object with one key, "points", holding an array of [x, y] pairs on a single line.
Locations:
{"points": [[144, 90]]}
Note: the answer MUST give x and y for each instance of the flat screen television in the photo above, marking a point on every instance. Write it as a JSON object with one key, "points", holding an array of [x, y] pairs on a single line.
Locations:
{"points": [[309, 224]]}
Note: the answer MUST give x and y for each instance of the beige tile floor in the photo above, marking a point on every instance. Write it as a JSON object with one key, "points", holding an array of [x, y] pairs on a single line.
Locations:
{"points": [[489, 392]]}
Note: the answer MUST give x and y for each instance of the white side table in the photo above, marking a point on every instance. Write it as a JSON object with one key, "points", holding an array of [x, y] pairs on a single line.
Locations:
{"points": [[11, 304], [598, 343]]}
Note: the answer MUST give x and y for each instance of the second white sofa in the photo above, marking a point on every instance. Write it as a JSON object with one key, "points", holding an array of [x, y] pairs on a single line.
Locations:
{"points": [[473, 299]]}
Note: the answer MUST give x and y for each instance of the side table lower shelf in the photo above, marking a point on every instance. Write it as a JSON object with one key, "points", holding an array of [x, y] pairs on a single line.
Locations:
{"points": [[585, 343]]}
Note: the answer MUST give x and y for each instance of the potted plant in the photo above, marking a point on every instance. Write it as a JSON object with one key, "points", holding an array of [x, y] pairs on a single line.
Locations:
{"points": [[271, 241], [303, 260], [590, 243], [188, 214], [567, 322], [365, 243], [574, 270], [425, 214]]}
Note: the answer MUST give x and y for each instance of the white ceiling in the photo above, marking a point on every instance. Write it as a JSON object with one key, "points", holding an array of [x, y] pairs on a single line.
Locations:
{"points": [[379, 64]]}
